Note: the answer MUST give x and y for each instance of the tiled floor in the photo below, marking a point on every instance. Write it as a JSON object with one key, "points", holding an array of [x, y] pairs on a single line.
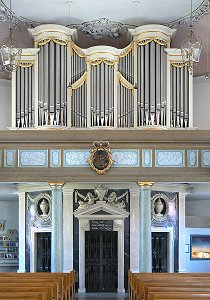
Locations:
{"points": [[102, 296]]}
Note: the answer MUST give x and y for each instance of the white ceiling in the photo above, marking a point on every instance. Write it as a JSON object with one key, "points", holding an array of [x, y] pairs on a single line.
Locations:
{"points": [[124, 11]]}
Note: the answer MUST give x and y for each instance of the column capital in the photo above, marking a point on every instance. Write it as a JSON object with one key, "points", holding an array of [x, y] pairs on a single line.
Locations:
{"points": [[56, 185], [145, 184]]}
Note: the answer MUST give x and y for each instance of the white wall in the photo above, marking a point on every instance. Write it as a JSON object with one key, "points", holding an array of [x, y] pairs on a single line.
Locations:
{"points": [[197, 212], [201, 105], [5, 104], [195, 265], [9, 211]]}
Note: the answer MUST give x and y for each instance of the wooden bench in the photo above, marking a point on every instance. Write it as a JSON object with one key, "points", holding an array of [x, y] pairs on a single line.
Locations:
{"points": [[65, 282], [179, 295], [140, 284], [23, 295]]}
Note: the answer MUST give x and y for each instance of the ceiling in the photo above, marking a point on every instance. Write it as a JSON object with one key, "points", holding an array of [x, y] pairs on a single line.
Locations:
{"points": [[124, 11], [128, 12]]}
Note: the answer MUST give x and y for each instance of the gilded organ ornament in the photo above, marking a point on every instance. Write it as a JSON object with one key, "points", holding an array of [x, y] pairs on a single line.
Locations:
{"points": [[100, 158]]}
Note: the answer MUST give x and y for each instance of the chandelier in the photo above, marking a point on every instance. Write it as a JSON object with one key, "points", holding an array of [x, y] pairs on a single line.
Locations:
{"points": [[191, 47], [9, 53]]}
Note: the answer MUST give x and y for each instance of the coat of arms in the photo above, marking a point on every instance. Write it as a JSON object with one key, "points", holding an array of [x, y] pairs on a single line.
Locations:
{"points": [[100, 157]]}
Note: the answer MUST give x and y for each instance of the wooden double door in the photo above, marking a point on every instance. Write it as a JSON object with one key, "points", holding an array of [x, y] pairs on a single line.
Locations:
{"points": [[101, 261]]}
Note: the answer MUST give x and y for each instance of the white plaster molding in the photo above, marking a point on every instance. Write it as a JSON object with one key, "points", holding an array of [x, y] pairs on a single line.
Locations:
{"points": [[33, 246], [182, 198], [170, 246], [67, 229], [152, 30], [113, 212], [171, 187], [134, 230], [49, 30], [22, 232]]}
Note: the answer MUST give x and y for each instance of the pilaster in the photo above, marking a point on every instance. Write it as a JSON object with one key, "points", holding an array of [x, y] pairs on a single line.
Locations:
{"points": [[22, 232], [68, 229], [57, 227], [145, 247], [182, 197]]}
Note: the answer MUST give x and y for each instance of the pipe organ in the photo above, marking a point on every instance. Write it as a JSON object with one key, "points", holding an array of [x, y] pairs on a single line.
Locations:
{"points": [[60, 85]]}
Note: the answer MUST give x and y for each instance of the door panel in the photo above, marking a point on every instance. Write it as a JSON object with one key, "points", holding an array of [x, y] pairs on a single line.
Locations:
{"points": [[159, 252], [44, 252], [101, 261]]}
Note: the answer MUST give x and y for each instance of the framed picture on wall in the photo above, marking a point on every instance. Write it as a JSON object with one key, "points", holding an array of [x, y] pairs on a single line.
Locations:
{"points": [[199, 247]]}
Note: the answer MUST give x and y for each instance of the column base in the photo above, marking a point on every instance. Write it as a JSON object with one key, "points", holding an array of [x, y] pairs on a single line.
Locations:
{"points": [[82, 291], [21, 271], [120, 291], [182, 271]]}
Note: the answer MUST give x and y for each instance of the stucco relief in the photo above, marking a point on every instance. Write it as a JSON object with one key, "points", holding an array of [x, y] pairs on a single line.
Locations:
{"points": [[32, 158]]}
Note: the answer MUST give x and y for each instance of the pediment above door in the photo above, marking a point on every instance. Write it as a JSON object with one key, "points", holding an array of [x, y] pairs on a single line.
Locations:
{"points": [[101, 210]]}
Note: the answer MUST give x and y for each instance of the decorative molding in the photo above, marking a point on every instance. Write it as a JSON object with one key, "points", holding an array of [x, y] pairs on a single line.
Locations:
{"points": [[76, 158], [101, 28], [169, 158], [164, 209], [9, 158], [39, 209], [32, 158], [145, 184], [101, 195], [192, 158], [125, 158], [55, 158], [202, 10], [146, 158], [205, 158], [122, 158], [17, 20]]}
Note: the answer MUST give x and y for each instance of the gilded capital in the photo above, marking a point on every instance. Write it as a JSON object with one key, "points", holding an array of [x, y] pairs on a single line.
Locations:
{"points": [[56, 185], [145, 184]]}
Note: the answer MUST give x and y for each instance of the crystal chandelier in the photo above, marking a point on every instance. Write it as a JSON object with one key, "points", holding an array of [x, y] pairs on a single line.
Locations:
{"points": [[191, 47], [9, 53]]}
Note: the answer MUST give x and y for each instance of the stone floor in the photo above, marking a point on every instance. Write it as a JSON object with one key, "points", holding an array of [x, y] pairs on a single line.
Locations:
{"points": [[102, 296]]}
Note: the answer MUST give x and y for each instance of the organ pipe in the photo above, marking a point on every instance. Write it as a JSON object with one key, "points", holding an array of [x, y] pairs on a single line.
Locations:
{"points": [[142, 85]]}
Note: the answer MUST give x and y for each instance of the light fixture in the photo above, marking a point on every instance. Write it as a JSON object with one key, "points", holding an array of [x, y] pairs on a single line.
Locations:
{"points": [[10, 53], [191, 47], [207, 75]]}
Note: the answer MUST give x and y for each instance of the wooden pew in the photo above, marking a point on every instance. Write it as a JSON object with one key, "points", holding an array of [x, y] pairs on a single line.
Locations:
{"points": [[23, 295], [179, 296], [30, 283], [66, 281], [138, 280]]}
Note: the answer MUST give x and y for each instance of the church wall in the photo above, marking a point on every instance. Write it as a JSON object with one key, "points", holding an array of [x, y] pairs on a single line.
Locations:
{"points": [[198, 213], [6, 104], [201, 103], [195, 265], [9, 212]]}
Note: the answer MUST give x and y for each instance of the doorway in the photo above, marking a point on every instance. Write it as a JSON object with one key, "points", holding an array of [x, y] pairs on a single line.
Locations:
{"points": [[101, 261], [159, 252], [44, 252]]}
